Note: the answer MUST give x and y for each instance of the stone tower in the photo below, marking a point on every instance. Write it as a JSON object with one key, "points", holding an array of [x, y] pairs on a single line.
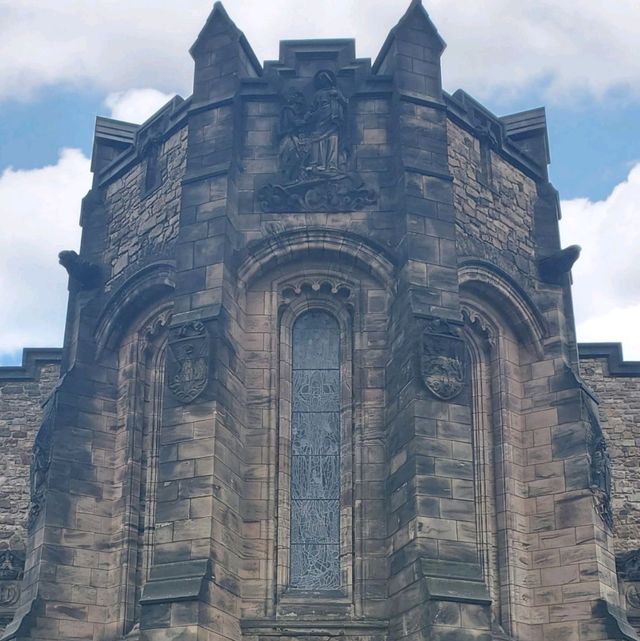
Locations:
{"points": [[320, 373]]}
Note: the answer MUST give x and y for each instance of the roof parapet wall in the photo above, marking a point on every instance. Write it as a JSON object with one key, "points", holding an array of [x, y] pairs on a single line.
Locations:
{"points": [[612, 352], [33, 358]]}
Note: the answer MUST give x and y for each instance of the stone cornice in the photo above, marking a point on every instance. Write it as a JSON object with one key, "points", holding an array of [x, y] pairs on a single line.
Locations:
{"points": [[612, 352], [33, 358]]}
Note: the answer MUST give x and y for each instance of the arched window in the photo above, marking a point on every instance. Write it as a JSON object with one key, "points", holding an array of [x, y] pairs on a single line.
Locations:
{"points": [[141, 365], [315, 453]]}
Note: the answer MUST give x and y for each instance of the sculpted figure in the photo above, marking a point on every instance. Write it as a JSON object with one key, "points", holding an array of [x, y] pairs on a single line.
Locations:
{"points": [[326, 124], [313, 155], [601, 467], [293, 147]]}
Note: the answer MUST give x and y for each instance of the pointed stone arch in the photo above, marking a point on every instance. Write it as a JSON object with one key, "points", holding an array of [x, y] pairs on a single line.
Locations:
{"points": [[142, 290], [505, 298]]}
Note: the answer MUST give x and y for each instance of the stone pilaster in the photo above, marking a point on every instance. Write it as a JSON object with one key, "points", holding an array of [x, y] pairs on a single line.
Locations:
{"points": [[194, 583], [436, 579]]}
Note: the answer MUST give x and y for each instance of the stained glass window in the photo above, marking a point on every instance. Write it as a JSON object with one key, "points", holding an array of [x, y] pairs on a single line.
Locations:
{"points": [[315, 450]]}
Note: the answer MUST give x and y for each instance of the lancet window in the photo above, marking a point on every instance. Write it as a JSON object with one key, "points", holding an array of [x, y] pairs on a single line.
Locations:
{"points": [[315, 453]]}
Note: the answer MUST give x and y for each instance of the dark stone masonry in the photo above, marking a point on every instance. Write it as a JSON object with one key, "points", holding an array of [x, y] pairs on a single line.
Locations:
{"points": [[320, 377]]}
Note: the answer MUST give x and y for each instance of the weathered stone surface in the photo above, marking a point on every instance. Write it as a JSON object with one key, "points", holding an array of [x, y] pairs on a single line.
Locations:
{"points": [[141, 224], [426, 464], [619, 412], [21, 401]]}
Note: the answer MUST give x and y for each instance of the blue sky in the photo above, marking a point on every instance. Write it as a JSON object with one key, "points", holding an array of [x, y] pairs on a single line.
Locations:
{"points": [[63, 63]]}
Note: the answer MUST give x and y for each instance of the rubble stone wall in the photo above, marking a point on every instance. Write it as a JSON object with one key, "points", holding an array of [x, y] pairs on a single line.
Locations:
{"points": [[620, 417], [21, 399], [142, 224], [494, 206]]}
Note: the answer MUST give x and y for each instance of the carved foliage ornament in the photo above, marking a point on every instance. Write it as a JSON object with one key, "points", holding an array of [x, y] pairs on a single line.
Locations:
{"points": [[314, 154], [151, 331], [188, 361], [476, 319], [443, 359]]}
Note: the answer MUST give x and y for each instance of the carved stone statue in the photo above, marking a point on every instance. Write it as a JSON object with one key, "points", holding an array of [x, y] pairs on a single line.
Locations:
{"points": [[313, 154], [601, 467], [326, 124], [293, 145]]}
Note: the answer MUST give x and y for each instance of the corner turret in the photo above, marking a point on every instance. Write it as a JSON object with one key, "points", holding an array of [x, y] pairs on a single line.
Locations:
{"points": [[412, 52], [222, 57]]}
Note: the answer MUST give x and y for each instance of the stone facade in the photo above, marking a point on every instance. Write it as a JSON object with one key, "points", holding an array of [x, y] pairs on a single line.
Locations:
{"points": [[320, 375], [23, 391], [617, 385]]}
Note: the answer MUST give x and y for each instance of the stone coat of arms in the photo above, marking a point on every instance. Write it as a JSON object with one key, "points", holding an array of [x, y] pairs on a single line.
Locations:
{"points": [[443, 359], [188, 361]]}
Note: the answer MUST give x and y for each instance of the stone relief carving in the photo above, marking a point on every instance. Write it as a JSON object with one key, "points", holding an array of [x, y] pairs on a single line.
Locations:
{"points": [[443, 359], [632, 595], [9, 594], [600, 470], [628, 568], [313, 155], [11, 568], [272, 227], [628, 565], [188, 361], [11, 565], [40, 461]]}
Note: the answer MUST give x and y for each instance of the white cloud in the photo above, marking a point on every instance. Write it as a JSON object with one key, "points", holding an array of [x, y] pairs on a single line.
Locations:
{"points": [[619, 325], [495, 46], [136, 105], [41, 208], [606, 288]]}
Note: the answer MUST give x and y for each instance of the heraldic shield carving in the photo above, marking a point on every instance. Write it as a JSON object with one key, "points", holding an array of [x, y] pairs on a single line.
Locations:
{"points": [[443, 359], [188, 361]]}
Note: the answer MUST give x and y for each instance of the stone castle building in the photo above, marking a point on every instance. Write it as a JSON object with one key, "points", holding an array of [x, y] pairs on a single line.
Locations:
{"points": [[320, 377]]}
